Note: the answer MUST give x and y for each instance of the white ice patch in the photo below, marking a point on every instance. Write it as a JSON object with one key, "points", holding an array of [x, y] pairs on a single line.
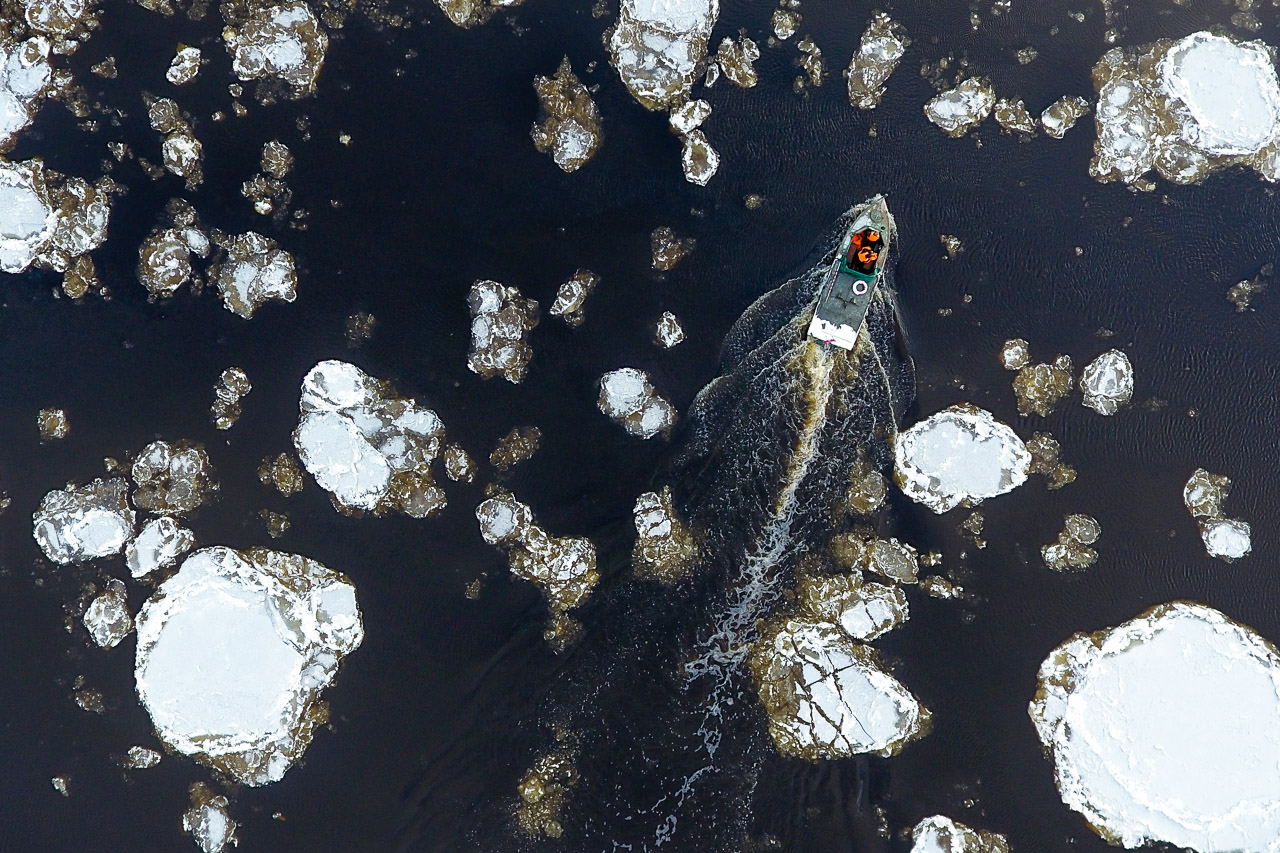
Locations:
{"points": [[24, 77], [234, 651], [1229, 91], [107, 618], [1107, 382], [256, 270], [958, 110], [939, 834], [27, 217], [1226, 538], [76, 524], [157, 546], [961, 455], [627, 396], [657, 46], [1167, 729]]}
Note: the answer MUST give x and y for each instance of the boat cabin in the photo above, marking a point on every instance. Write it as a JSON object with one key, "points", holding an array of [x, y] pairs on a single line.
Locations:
{"points": [[864, 251]]}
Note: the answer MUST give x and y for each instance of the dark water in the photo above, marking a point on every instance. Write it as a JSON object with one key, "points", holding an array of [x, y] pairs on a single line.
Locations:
{"points": [[445, 705]]}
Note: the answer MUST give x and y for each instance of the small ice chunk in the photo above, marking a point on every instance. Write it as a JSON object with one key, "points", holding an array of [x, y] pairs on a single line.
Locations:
{"points": [[1107, 382], [892, 559], [1226, 538], [1062, 115], [172, 479], [689, 116], [785, 22], [207, 821], [668, 249], [53, 424], [283, 42], [107, 618], [882, 47], [628, 397], [1012, 115], [1072, 551], [157, 546], [961, 455], [185, 65], [256, 270], [140, 758], [698, 159], [963, 108], [501, 320], [76, 524], [668, 332], [1039, 387], [515, 447], [1015, 354], [1167, 729], [939, 834], [737, 61], [233, 385], [572, 296], [569, 125], [234, 651], [1205, 492]]}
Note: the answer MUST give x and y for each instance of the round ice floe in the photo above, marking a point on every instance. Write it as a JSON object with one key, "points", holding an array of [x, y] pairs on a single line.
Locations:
{"points": [[1230, 90], [1226, 538], [1167, 728], [960, 455], [342, 460]]}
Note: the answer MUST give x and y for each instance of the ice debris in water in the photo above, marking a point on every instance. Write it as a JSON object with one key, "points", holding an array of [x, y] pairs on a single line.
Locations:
{"points": [[232, 385], [657, 47], [157, 546], [1045, 459], [107, 618], [53, 424], [76, 524], [666, 548], [283, 43], [569, 124], [182, 153], [668, 249], [1107, 382], [572, 296], [628, 397], [785, 21], [939, 834], [811, 61], [1187, 108], [1242, 292], [1062, 115], [689, 115], [1225, 538], [469, 13], [282, 472], [501, 320], [185, 65], [963, 108], [1012, 115], [515, 447], [668, 332], [1039, 387], [698, 159], [1072, 551], [564, 567], [24, 79], [737, 61], [961, 455], [827, 697], [458, 464], [207, 821], [864, 611], [882, 47], [1015, 354], [1167, 729], [367, 447], [140, 758], [51, 221], [172, 479], [256, 269], [234, 652], [544, 789], [165, 257]]}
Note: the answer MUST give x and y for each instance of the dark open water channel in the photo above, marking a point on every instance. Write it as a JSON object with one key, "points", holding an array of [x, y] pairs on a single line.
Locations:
{"points": [[441, 710]]}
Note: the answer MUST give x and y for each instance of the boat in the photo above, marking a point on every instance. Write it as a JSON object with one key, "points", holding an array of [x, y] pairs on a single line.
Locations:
{"points": [[854, 275]]}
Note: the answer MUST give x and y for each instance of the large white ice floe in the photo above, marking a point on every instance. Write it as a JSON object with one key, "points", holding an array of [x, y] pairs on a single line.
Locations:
{"points": [[961, 455], [939, 834], [963, 108], [367, 447], [827, 697], [629, 398], [1167, 729], [882, 47], [658, 45], [1107, 382], [234, 652], [76, 524], [283, 42], [27, 216], [1187, 107], [501, 320], [24, 79]]}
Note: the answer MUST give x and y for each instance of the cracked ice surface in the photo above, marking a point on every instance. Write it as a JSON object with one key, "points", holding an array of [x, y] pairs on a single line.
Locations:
{"points": [[1107, 382], [961, 455], [826, 696], [882, 47], [107, 618], [234, 651], [1187, 108], [569, 125], [368, 448], [157, 546], [256, 270], [1167, 728], [171, 478], [24, 78], [501, 320], [665, 548], [284, 42], [27, 217], [76, 524], [939, 834], [657, 46], [959, 110], [627, 396]]}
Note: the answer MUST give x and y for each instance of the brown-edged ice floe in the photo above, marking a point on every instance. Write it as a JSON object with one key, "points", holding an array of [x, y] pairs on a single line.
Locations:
{"points": [[234, 651], [1107, 382], [939, 834], [370, 449], [1225, 538], [698, 159], [961, 455], [568, 127], [1186, 108], [665, 548], [282, 44], [208, 822], [24, 80], [172, 478], [501, 320], [962, 108], [657, 47], [571, 297], [81, 523], [1072, 551], [668, 332], [630, 400], [255, 271], [1039, 387], [184, 66], [182, 153], [1167, 729], [882, 47], [737, 61], [233, 385], [1062, 115], [158, 545]]}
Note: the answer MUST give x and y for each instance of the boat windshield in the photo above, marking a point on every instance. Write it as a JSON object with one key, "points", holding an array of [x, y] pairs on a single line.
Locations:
{"points": [[864, 251]]}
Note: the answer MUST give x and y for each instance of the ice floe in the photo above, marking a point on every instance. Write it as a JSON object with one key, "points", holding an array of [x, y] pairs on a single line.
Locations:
{"points": [[1225, 538], [1012, 115], [1015, 354], [882, 47], [1072, 551], [140, 758], [1167, 729], [515, 447], [53, 424], [1062, 115], [572, 296], [208, 822], [668, 332], [698, 159], [158, 545], [939, 834], [76, 524], [107, 617], [961, 455], [234, 652], [864, 611], [233, 385], [24, 80], [568, 127], [256, 270], [666, 548], [172, 478], [657, 47], [629, 398], [737, 61], [368, 448], [1107, 382], [1039, 387], [544, 789], [959, 110], [501, 320], [1046, 460], [182, 153], [165, 258], [184, 66], [27, 216], [668, 249], [282, 42]]}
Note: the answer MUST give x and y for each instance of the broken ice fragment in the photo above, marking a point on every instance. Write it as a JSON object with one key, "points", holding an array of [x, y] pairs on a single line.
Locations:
{"points": [[698, 159], [952, 244], [1012, 115], [173, 479], [256, 270], [282, 472], [544, 790], [185, 65], [785, 23], [737, 61], [961, 455], [940, 834], [157, 546], [501, 320], [232, 385], [515, 447], [367, 447], [811, 61], [1205, 493], [864, 611], [1242, 292], [27, 216], [689, 116], [668, 332], [665, 548], [657, 47], [892, 559], [458, 464], [627, 396], [24, 79], [61, 784], [282, 42], [572, 296], [164, 258], [1167, 729], [1226, 538], [882, 47], [1015, 354], [140, 758], [668, 249], [959, 110], [1039, 387], [1107, 382], [569, 124], [1071, 551], [1062, 115], [1045, 452], [77, 524], [52, 424], [827, 697], [234, 651], [207, 821], [107, 617]]}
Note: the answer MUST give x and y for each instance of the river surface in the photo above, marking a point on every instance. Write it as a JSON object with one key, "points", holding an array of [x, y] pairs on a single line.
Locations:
{"points": [[443, 708]]}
